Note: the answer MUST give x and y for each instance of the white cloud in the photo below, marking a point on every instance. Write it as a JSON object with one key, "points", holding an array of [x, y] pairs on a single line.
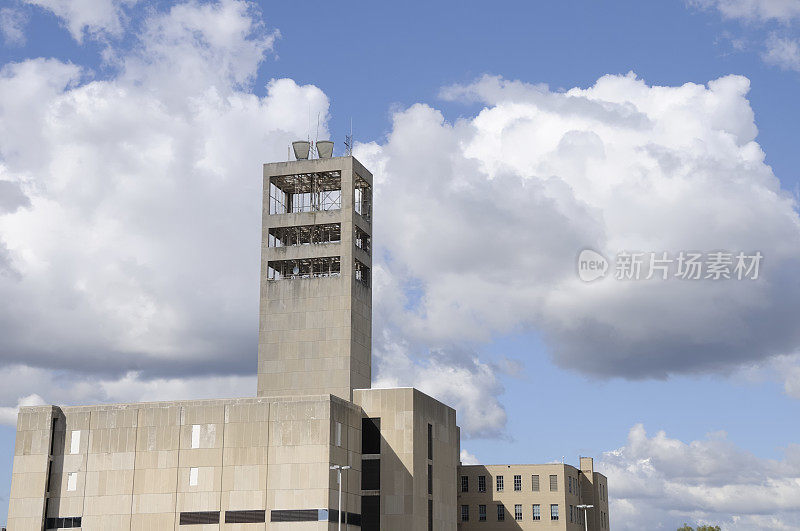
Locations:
{"points": [[89, 17], [783, 52], [8, 415], [467, 458], [753, 10], [485, 217], [132, 242], [12, 26], [659, 483]]}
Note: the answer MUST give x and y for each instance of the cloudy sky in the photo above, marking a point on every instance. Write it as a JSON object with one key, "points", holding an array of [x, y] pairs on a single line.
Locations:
{"points": [[504, 138]]}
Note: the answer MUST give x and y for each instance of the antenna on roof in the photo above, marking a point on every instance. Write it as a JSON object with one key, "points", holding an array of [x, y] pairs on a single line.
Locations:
{"points": [[348, 140]]}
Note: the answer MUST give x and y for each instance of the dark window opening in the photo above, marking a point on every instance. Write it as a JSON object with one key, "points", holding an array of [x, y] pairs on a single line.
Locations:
{"points": [[370, 436], [370, 513], [245, 517], [361, 272], [430, 515], [305, 235], [329, 266], [307, 192], [67, 522], [362, 198], [362, 240], [430, 479], [370, 474], [298, 515], [430, 441], [199, 517]]}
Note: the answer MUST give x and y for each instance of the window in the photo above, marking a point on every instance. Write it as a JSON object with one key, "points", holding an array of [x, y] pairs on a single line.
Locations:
{"points": [[362, 198], [310, 192], [465, 513], [553, 483], [464, 483], [67, 522], [322, 267], [518, 512], [245, 517], [481, 483], [570, 514], [554, 511], [501, 513], [193, 476], [371, 436], [361, 273], [75, 442], [517, 483], [481, 513], [430, 479], [362, 240], [569, 481], [200, 517], [304, 235], [338, 434], [430, 441], [370, 474], [299, 515], [72, 481], [430, 516], [535, 482], [499, 481], [371, 513], [537, 512], [195, 436]]}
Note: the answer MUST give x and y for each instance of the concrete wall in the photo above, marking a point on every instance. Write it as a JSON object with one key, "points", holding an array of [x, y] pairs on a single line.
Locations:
{"points": [[405, 414], [138, 466]]}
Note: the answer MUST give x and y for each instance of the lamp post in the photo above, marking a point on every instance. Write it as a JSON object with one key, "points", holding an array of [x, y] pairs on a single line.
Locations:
{"points": [[585, 520], [339, 469]]}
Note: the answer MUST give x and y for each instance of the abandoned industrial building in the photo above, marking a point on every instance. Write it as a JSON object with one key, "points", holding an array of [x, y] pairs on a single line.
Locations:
{"points": [[317, 447]]}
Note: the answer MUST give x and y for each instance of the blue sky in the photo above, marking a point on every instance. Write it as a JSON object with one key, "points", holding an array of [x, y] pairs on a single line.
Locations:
{"points": [[372, 63]]}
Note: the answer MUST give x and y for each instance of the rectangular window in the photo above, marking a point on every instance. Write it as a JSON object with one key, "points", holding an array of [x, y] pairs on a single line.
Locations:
{"points": [[465, 513], [370, 474], [570, 514], [554, 512], [501, 513], [75, 442], [362, 198], [321, 267], [430, 479], [481, 513], [299, 515], [361, 272], [537, 512], [72, 481], [362, 240], [464, 483], [338, 434], [430, 441], [245, 517], [499, 483], [535, 482], [569, 481], [67, 522], [371, 436], [481, 483], [430, 516], [553, 483], [370, 513], [195, 436], [200, 517], [193, 476], [518, 512], [517, 483]]}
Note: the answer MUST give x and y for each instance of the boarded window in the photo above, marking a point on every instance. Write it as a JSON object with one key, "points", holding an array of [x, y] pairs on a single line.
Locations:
{"points": [[195, 436], [193, 476], [553, 483], [72, 481], [535, 482]]}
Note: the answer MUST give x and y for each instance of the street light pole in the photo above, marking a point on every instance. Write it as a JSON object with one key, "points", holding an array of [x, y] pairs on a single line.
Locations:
{"points": [[585, 520], [339, 469]]}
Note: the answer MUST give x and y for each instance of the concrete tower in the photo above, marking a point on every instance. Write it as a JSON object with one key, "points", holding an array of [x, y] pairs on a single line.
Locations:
{"points": [[316, 298]]}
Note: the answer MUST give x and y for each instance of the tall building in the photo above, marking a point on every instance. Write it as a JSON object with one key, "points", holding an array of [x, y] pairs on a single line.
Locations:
{"points": [[267, 462]]}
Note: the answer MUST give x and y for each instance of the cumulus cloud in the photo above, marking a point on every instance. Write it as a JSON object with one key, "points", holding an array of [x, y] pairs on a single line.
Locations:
{"points": [[783, 52], [485, 217], [467, 458], [91, 18], [8, 415], [657, 482], [753, 10], [133, 218], [12, 26]]}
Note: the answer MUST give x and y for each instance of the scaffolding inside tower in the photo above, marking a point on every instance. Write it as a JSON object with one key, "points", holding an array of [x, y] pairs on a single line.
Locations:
{"points": [[305, 192]]}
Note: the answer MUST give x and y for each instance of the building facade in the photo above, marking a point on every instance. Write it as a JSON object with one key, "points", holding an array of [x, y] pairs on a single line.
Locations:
{"points": [[532, 497], [266, 462]]}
